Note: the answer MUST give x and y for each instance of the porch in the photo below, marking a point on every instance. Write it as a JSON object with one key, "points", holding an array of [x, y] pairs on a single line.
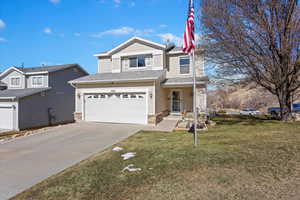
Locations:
{"points": [[176, 102]]}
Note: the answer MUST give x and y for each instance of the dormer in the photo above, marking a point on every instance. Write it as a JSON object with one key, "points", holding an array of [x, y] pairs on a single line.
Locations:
{"points": [[133, 55], [13, 78]]}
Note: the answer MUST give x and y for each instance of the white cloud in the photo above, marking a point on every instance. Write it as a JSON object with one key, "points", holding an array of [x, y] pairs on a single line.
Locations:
{"points": [[77, 34], [55, 1], [163, 26], [2, 24], [169, 37], [2, 39], [117, 3], [48, 30], [132, 4], [125, 30]]}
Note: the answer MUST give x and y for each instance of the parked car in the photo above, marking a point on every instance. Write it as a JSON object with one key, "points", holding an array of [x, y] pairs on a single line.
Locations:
{"points": [[250, 112], [275, 111]]}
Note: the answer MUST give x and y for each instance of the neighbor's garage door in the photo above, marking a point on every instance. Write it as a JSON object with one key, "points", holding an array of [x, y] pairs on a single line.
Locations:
{"points": [[116, 108], [6, 117]]}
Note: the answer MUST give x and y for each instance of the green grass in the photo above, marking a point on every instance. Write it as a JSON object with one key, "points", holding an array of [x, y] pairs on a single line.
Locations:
{"points": [[240, 158]]}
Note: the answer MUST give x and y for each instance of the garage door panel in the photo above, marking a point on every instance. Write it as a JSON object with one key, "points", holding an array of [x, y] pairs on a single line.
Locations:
{"points": [[116, 108], [6, 118]]}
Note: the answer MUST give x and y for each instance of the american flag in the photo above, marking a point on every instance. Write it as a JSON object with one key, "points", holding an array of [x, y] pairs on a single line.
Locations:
{"points": [[189, 37]]}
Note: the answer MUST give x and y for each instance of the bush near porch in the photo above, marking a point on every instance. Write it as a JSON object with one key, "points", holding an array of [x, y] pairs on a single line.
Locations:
{"points": [[240, 158]]}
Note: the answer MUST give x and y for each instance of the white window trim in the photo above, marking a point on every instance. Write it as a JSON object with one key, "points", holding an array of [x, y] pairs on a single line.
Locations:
{"points": [[15, 86], [37, 86], [137, 62], [180, 66]]}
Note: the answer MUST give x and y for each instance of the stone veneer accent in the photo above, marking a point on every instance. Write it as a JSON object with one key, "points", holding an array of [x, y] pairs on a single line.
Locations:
{"points": [[78, 116], [155, 119]]}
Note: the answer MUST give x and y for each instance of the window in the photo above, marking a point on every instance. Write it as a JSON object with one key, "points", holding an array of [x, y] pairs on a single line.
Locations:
{"points": [[15, 81], [102, 96], [140, 61], [125, 96], [37, 81], [184, 65], [133, 96], [133, 62]]}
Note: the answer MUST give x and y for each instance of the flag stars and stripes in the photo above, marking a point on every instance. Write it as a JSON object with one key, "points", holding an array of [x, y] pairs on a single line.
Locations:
{"points": [[189, 34]]}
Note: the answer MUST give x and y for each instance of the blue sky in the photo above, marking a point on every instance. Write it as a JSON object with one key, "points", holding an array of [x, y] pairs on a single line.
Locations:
{"points": [[50, 32]]}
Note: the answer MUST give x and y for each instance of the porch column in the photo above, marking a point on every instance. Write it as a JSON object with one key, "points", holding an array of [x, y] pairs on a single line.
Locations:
{"points": [[201, 99]]}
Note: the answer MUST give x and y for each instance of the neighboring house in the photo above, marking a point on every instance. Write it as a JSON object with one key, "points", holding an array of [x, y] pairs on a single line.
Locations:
{"points": [[140, 82], [3, 86], [37, 96]]}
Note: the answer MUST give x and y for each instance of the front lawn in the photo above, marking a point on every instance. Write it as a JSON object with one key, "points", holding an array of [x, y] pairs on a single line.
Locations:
{"points": [[237, 159]]}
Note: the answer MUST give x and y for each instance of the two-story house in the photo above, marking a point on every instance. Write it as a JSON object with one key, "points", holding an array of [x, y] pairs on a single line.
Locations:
{"points": [[140, 82], [39, 96]]}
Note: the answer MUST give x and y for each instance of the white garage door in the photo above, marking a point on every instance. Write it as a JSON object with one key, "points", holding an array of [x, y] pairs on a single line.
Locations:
{"points": [[116, 108], [6, 117]]}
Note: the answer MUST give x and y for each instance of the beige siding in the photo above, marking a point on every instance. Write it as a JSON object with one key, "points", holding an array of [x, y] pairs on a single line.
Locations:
{"points": [[158, 60], [136, 47], [113, 63], [104, 65], [173, 66], [161, 97], [116, 65]]}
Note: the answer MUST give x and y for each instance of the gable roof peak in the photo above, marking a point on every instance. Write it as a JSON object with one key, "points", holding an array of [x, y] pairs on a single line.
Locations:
{"points": [[135, 38]]}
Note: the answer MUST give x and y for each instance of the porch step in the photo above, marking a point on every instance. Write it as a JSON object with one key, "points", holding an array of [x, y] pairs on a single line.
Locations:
{"points": [[173, 117]]}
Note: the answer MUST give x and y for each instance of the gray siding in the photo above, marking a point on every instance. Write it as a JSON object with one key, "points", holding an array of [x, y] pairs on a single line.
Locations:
{"points": [[34, 110]]}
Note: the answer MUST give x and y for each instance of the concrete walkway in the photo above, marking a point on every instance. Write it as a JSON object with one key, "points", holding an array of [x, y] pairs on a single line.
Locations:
{"points": [[27, 161], [166, 125]]}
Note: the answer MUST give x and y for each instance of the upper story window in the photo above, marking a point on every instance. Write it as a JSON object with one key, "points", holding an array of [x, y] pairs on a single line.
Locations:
{"points": [[15, 81], [137, 62], [184, 62], [37, 81]]}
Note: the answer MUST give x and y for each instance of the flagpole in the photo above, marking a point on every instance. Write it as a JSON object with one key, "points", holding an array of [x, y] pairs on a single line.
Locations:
{"points": [[194, 99]]}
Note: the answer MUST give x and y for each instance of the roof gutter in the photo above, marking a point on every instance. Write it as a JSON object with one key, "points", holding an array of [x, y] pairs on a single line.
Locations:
{"points": [[113, 81]]}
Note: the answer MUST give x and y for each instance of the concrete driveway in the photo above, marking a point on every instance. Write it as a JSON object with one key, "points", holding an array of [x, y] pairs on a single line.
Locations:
{"points": [[27, 161], [3, 130]]}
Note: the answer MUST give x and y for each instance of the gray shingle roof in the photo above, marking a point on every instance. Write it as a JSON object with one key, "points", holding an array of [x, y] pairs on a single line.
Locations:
{"points": [[121, 77], [176, 49], [47, 68], [184, 81], [20, 93]]}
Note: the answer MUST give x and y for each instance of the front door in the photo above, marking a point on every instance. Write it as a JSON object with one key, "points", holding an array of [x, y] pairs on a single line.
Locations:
{"points": [[176, 101]]}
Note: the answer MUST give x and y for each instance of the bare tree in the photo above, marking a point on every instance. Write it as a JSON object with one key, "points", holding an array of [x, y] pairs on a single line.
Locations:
{"points": [[257, 40]]}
